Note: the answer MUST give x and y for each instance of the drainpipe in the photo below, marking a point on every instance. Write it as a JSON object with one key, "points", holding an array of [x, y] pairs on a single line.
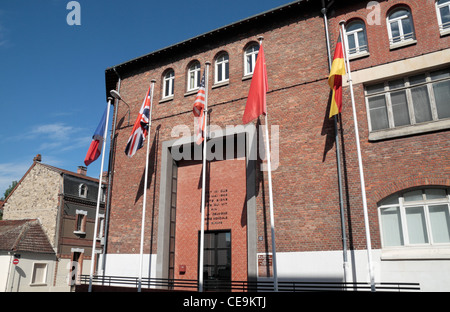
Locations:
{"points": [[338, 152], [111, 173]]}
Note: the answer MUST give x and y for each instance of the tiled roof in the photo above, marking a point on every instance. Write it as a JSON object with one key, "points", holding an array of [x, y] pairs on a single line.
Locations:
{"points": [[24, 235]]}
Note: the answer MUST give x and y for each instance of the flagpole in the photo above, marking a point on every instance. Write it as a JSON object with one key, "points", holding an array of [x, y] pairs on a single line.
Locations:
{"points": [[141, 260], [338, 154], [94, 238], [202, 222], [361, 172], [272, 218]]}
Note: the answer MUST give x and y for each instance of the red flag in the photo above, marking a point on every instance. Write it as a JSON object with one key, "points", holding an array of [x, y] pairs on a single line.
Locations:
{"points": [[256, 101]]}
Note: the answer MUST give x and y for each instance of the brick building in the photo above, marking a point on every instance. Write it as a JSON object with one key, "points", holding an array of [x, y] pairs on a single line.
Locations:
{"points": [[400, 63]]}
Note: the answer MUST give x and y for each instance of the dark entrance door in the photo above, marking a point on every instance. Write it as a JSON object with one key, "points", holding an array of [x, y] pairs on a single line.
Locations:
{"points": [[217, 261]]}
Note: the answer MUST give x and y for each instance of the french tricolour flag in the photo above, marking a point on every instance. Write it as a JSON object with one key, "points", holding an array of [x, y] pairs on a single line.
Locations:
{"points": [[97, 140]]}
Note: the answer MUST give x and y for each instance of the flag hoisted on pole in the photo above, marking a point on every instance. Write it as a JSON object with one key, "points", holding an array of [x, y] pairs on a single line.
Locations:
{"points": [[94, 238], [361, 171], [256, 106], [146, 109], [335, 79], [95, 148], [199, 105], [140, 128], [204, 129]]}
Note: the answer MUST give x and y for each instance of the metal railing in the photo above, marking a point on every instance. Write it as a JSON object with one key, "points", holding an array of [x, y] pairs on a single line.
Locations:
{"points": [[164, 284]]}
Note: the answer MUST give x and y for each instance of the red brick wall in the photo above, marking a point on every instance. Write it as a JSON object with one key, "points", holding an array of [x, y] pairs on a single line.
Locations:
{"points": [[396, 164], [306, 199], [225, 210]]}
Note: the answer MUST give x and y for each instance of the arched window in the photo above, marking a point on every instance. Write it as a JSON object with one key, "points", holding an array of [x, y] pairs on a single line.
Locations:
{"points": [[193, 78], [82, 190], [222, 68], [417, 217], [443, 13], [356, 38], [400, 26], [250, 55], [168, 83]]}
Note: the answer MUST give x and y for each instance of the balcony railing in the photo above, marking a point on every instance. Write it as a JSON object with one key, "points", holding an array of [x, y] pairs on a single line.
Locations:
{"points": [[162, 284]]}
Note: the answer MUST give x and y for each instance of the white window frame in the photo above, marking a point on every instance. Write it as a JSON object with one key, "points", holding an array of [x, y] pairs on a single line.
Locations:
{"points": [[403, 206], [43, 282], [193, 76], [222, 62], [359, 50], [82, 227], [413, 127], [443, 29], [252, 53], [168, 81], [398, 20], [82, 190]]}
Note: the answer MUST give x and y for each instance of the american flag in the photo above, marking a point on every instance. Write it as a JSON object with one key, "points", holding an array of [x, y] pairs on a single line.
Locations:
{"points": [[199, 119], [140, 128]]}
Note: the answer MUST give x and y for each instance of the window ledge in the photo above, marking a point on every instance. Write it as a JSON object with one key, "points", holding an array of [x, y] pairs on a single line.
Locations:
{"points": [[358, 55], [191, 92], [220, 84], [409, 130], [445, 32], [416, 253], [37, 284], [79, 232], [401, 44], [166, 99], [246, 77]]}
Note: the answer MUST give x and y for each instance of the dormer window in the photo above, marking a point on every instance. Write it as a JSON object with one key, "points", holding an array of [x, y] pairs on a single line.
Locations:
{"points": [[82, 190]]}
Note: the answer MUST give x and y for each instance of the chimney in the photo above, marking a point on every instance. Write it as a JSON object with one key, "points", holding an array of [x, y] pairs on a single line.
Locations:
{"points": [[82, 170], [38, 158]]}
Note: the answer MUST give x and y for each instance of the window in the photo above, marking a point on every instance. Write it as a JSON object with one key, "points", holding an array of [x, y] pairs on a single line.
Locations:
{"points": [[82, 190], [400, 27], [80, 222], [193, 76], [250, 55], [168, 84], [39, 274], [415, 218], [222, 70], [356, 39], [443, 14], [422, 98]]}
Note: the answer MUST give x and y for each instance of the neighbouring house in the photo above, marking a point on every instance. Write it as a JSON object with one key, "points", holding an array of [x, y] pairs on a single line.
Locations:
{"points": [[27, 259], [65, 203]]}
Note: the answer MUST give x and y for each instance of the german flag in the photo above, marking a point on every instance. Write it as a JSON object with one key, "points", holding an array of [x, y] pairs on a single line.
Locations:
{"points": [[335, 79]]}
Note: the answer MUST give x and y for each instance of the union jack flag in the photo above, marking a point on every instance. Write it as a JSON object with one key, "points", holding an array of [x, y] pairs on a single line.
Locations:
{"points": [[199, 115], [140, 128]]}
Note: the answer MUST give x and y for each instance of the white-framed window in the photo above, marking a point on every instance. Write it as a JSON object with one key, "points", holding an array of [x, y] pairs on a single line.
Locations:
{"points": [[168, 83], [356, 38], [39, 274], [250, 56], [80, 222], [409, 101], [222, 68], [415, 218], [193, 78], [443, 15], [400, 27], [82, 190]]}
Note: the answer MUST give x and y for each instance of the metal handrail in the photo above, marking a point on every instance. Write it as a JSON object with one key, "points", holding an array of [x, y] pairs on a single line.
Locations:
{"points": [[244, 286]]}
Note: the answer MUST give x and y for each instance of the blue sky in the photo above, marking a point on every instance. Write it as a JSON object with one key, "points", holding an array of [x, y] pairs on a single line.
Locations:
{"points": [[52, 83]]}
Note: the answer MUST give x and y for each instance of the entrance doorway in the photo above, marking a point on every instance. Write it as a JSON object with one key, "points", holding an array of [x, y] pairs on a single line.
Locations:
{"points": [[217, 260]]}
